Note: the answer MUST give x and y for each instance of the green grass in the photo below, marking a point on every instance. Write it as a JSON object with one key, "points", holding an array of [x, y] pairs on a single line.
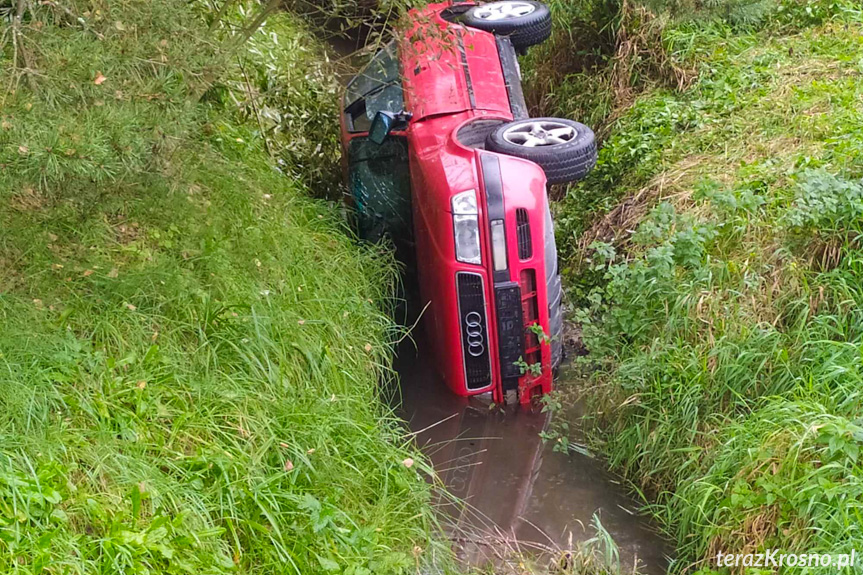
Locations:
{"points": [[715, 253], [190, 349]]}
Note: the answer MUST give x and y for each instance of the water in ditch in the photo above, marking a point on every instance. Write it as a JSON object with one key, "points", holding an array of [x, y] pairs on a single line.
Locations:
{"points": [[518, 493]]}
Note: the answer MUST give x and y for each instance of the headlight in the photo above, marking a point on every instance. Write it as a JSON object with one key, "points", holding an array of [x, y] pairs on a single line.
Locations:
{"points": [[465, 203], [465, 223], [467, 239]]}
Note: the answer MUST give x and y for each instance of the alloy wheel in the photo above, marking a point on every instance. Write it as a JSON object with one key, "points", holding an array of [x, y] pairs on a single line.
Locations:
{"points": [[540, 133], [506, 10]]}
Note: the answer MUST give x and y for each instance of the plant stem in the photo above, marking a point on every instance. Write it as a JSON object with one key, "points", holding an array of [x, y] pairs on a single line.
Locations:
{"points": [[18, 43], [220, 14], [256, 23]]}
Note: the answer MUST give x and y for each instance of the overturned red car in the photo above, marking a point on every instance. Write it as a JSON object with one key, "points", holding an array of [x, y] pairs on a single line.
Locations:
{"points": [[442, 157]]}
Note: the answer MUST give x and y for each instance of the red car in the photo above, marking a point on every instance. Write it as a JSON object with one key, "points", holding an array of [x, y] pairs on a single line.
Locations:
{"points": [[442, 157]]}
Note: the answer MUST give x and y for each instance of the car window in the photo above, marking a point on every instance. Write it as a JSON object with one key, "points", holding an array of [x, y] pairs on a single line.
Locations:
{"points": [[378, 87], [380, 186]]}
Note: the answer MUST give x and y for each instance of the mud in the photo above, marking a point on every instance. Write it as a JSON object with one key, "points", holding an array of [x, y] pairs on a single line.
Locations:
{"points": [[518, 493]]}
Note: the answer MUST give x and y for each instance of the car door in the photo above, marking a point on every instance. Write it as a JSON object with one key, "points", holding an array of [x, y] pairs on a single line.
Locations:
{"points": [[378, 175]]}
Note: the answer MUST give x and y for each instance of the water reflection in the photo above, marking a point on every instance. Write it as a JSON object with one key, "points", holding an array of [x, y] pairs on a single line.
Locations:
{"points": [[517, 491]]}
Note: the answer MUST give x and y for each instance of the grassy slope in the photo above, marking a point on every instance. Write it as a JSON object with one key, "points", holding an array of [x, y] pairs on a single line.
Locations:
{"points": [[190, 351], [723, 306]]}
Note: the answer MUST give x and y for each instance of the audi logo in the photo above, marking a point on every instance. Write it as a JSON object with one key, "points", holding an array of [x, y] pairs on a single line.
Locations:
{"points": [[473, 330]]}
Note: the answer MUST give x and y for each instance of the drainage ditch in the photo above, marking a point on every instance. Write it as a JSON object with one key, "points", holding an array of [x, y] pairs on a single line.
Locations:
{"points": [[508, 493]]}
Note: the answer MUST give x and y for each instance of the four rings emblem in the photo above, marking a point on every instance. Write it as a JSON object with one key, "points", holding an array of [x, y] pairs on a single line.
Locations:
{"points": [[473, 330]]}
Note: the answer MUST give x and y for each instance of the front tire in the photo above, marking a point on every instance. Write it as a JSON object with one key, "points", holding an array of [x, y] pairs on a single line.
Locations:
{"points": [[554, 291], [525, 22], [565, 150]]}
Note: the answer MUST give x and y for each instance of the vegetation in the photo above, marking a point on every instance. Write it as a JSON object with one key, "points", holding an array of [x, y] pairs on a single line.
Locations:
{"points": [[715, 258], [191, 350], [596, 555]]}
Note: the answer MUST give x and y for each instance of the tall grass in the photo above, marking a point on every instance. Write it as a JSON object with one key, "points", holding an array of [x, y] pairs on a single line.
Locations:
{"points": [[716, 252], [190, 350]]}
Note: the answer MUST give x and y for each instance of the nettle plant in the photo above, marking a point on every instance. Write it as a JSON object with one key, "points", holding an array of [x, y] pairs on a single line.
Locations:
{"points": [[535, 368], [633, 299], [537, 330], [825, 219], [826, 204]]}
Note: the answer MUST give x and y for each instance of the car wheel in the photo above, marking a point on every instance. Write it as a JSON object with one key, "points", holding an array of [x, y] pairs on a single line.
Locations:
{"points": [[526, 23], [565, 150]]}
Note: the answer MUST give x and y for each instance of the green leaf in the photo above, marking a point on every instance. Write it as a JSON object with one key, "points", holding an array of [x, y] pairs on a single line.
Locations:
{"points": [[328, 564]]}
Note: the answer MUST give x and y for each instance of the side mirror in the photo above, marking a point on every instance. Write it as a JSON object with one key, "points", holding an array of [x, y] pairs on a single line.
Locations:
{"points": [[382, 125], [386, 122]]}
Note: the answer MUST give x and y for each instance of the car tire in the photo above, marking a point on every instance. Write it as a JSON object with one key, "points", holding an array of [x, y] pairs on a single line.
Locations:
{"points": [[554, 293], [504, 18], [565, 150]]}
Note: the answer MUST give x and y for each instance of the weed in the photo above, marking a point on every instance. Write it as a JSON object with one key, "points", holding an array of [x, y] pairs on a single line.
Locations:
{"points": [[537, 330], [597, 555], [288, 89], [191, 349], [534, 369]]}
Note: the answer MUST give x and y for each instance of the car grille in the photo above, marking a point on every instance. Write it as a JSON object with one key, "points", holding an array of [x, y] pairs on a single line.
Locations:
{"points": [[522, 227], [474, 330], [530, 315]]}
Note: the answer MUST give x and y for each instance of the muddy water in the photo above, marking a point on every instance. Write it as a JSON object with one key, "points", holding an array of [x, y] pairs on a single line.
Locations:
{"points": [[517, 492]]}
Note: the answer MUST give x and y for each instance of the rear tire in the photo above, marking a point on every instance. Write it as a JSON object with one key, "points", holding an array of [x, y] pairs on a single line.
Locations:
{"points": [[525, 22], [565, 150]]}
